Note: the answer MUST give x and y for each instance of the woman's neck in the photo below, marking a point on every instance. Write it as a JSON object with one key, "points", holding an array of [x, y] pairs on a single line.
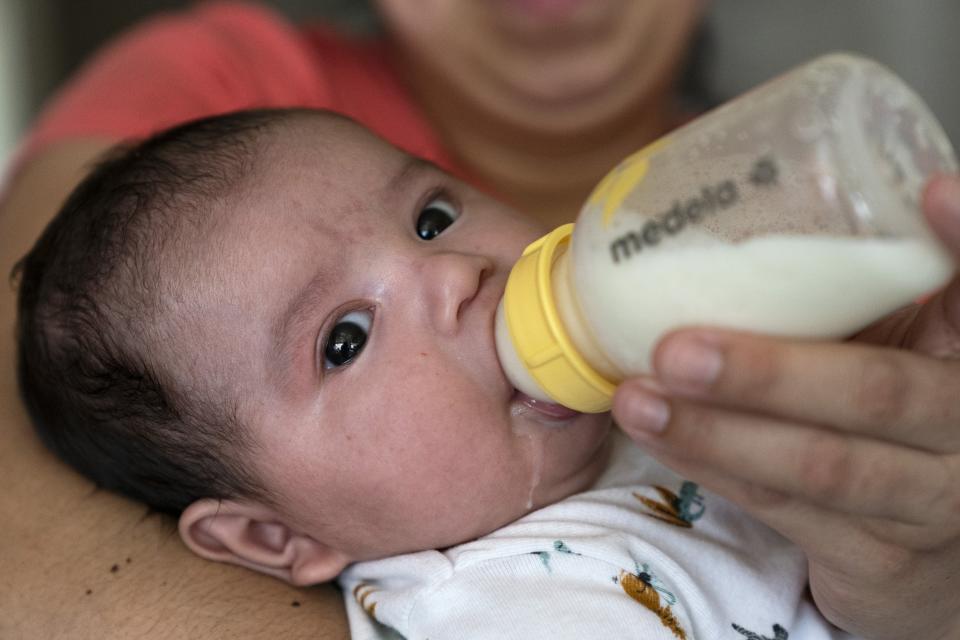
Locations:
{"points": [[549, 179], [546, 173]]}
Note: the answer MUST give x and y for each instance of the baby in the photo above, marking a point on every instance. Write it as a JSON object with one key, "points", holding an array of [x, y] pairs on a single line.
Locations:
{"points": [[280, 328]]}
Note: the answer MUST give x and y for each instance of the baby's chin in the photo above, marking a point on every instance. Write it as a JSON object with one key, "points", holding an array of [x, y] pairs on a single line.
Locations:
{"points": [[568, 453]]}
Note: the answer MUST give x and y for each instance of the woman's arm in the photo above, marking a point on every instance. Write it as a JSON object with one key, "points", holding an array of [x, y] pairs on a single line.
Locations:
{"points": [[78, 562]]}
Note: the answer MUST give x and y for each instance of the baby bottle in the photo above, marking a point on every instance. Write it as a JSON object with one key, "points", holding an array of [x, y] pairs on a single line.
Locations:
{"points": [[793, 210]]}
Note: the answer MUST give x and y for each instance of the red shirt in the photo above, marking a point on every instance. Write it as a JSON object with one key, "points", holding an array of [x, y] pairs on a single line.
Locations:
{"points": [[224, 56]]}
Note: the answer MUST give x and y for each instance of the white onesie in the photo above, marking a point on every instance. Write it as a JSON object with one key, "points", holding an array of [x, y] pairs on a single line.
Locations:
{"points": [[643, 554]]}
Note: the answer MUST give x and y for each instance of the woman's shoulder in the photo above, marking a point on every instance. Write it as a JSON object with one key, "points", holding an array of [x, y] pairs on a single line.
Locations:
{"points": [[181, 65]]}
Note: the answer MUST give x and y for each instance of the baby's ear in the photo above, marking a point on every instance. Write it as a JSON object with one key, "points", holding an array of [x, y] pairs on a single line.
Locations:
{"points": [[253, 536]]}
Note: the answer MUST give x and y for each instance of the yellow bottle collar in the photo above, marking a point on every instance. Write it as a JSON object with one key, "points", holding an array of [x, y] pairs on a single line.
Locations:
{"points": [[538, 335]]}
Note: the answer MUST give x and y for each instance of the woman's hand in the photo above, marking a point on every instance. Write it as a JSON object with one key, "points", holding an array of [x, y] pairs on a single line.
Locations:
{"points": [[851, 450]]}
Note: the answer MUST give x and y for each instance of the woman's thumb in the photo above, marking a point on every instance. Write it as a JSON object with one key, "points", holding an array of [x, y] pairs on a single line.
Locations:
{"points": [[941, 204]]}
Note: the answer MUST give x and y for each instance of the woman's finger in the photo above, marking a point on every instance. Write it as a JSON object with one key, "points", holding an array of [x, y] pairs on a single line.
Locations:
{"points": [[828, 468], [888, 394]]}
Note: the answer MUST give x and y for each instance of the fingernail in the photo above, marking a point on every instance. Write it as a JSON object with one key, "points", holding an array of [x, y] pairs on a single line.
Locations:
{"points": [[690, 364], [639, 409]]}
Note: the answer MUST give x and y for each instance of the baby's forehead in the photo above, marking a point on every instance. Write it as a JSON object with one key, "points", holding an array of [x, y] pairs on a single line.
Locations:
{"points": [[331, 133], [314, 174], [330, 161]]}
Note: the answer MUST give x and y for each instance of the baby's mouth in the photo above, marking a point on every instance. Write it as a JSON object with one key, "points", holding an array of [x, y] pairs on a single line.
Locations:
{"points": [[522, 404]]}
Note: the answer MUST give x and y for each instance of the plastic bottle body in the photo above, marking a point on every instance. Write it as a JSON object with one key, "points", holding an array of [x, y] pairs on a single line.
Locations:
{"points": [[793, 210]]}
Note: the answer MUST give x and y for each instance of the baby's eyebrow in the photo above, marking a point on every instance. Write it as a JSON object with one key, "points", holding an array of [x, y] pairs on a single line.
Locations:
{"points": [[299, 310], [411, 166]]}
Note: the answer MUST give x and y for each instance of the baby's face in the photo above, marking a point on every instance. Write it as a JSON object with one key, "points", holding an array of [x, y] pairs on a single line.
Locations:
{"points": [[362, 354]]}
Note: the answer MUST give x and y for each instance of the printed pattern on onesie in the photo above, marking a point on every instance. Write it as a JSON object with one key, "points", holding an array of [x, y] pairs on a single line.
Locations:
{"points": [[645, 553]]}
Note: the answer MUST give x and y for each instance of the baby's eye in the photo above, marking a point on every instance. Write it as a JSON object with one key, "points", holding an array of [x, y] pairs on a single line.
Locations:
{"points": [[346, 339], [438, 214]]}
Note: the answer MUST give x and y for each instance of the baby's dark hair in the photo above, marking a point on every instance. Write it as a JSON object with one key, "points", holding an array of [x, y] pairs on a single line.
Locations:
{"points": [[92, 288]]}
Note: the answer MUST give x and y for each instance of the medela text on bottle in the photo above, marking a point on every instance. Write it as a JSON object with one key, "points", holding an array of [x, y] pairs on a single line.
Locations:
{"points": [[793, 210]]}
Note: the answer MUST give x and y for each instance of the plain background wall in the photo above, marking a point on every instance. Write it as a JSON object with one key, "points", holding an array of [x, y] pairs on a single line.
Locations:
{"points": [[918, 39], [42, 41]]}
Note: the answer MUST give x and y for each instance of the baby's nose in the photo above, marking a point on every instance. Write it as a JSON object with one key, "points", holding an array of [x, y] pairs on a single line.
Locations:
{"points": [[452, 282]]}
